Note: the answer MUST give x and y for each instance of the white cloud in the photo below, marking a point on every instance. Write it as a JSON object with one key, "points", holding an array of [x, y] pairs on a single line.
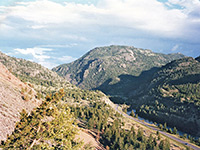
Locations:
{"points": [[42, 56], [175, 47], [67, 59], [37, 26], [147, 15], [60, 45], [54, 25], [38, 54]]}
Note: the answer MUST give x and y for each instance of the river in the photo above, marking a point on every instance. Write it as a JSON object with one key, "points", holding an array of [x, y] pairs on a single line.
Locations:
{"points": [[150, 122]]}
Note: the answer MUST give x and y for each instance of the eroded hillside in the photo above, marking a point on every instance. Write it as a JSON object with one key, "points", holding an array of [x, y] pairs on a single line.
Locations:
{"points": [[12, 101]]}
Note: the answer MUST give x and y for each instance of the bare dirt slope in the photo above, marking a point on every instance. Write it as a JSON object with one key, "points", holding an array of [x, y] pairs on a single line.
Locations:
{"points": [[12, 102], [89, 138]]}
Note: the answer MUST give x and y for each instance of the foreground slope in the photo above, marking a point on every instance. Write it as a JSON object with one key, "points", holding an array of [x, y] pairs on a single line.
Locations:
{"points": [[12, 101], [102, 66]]}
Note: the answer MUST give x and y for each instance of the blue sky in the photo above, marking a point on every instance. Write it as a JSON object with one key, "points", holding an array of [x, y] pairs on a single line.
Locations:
{"points": [[53, 32]]}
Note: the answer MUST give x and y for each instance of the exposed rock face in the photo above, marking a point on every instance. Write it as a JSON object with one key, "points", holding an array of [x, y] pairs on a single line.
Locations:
{"points": [[11, 101]]}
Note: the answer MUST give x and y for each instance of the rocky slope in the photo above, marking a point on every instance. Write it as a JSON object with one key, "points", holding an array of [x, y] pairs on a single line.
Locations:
{"points": [[103, 66], [12, 101]]}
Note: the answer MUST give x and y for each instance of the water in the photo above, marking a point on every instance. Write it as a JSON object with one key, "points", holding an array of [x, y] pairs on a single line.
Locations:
{"points": [[150, 122], [140, 118]]}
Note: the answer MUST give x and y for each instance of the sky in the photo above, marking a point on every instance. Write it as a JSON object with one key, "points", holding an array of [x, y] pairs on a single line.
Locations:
{"points": [[53, 32]]}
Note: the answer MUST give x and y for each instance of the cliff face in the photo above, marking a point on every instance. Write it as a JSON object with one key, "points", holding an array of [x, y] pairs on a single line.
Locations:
{"points": [[12, 100]]}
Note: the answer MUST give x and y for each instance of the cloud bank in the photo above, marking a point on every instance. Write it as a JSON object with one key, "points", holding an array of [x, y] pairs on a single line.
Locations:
{"points": [[60, 25]]}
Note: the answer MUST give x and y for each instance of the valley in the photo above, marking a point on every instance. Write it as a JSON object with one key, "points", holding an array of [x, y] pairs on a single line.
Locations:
{"points": [[99, 75], [106, 79], [162, 88]]}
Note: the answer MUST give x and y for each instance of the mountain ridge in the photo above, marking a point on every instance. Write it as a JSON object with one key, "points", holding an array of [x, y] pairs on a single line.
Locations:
{"points": [[102, 63]]}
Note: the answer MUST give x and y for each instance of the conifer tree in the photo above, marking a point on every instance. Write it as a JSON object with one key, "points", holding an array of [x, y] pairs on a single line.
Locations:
{"points": [[52, 122], [132, 113]]}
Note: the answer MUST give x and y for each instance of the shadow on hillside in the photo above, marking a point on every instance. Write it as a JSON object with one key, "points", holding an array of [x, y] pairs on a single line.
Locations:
{"points": [[128, 85], [193, 79]]}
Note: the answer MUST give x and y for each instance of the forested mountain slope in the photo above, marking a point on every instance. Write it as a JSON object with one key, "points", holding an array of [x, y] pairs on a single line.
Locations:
{"points": [[173, 96], [164, 93], [104, 65], [54, 123]]}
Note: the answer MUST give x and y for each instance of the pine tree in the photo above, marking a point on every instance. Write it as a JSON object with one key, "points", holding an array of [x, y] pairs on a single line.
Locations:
{"points": [[175, 130], [132, 113], [51, 121], [165, 126], [164, 145], [170, 130], [91, 123], [140, 135]]}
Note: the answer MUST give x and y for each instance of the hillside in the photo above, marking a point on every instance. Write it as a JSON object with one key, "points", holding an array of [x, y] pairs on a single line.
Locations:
{"points": [[103, 66], [173, 96], [12, 101], [43, 79], [158, 91], [92, 111]]}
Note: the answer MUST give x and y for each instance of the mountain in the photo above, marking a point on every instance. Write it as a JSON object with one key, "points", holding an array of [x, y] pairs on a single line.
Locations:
{"points": [[173, 96], [162, 88], [13, 100], [103, 66], [53, 124]]}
